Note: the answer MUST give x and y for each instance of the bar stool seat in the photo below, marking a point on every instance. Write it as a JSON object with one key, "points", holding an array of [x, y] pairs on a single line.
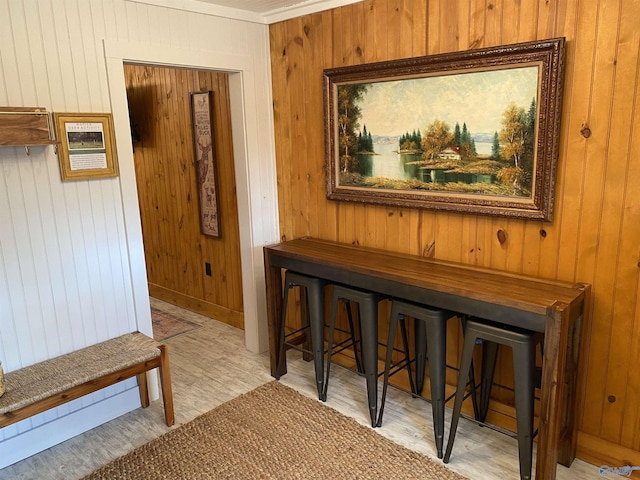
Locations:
{"points": [[368, 318], [314, 289], [522, 343], [430, 341]]}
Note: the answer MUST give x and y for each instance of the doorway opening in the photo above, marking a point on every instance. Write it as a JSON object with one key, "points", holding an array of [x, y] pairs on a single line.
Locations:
{"points": [[186, 266], [254, 159]]}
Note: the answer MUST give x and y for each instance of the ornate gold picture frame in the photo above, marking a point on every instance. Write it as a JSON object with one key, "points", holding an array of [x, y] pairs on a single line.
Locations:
{"points": [[474, 131]]}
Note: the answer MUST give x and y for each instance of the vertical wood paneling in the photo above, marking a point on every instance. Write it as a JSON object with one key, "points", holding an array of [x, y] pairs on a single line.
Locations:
{"points": [[370, 221], [175, 249], [578, 87], [419, 27], [92, 52], [617, 273], [121, 18], [315, 175], [228, 284], [282, 111], [630, 286], [80, 69], [591, 214], [354, 218], [330, 224], [400, 46], [105, 11], [342, 34], [593, 237], [299, 178], [51, 59], [493, 22], [131, 10], [99, 29], [476, 23], [62, 45], [8, 59]]}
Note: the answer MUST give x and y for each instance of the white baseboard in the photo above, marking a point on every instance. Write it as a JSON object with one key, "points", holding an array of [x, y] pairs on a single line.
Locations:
{"points": [[51, 433]]}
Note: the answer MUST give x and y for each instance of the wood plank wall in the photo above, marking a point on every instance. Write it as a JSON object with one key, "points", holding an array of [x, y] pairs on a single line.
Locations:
{"points": [[594, 236], [175, 249]]}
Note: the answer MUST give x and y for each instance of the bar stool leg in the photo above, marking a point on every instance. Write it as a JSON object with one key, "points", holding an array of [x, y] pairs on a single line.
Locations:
{"points": [[472, 375], [436, 345], [463, 374], [405, 346], [369, 336], [524, 361], [353, 337], [315, 298], [332, 327], [420, 331], [393, 325], [489, 360]]}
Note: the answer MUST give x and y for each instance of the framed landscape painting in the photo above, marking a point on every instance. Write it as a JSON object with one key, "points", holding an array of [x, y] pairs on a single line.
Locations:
{"points": [[474, 131]]}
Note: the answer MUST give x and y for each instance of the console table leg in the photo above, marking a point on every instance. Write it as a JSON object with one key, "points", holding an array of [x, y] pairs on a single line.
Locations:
{"points": [[273, 281]]}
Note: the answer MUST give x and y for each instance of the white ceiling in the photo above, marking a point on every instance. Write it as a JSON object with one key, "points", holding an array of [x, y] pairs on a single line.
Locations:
{"points": [[258, 6], [258, 11]]}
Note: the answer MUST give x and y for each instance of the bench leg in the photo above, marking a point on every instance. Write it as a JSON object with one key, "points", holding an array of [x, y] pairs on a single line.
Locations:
{"points": [[165, 382], [144, 389]]}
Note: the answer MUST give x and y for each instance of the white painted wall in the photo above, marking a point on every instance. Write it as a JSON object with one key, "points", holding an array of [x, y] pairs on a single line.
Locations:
{"points": [[71, 260]]}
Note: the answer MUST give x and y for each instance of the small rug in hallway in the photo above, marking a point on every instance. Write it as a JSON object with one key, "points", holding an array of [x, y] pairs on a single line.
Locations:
{"points": [[273, 432], [166, 325]]}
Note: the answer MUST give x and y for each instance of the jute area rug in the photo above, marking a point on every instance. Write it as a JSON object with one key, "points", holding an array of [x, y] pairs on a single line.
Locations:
{"points": [[273, 432]]}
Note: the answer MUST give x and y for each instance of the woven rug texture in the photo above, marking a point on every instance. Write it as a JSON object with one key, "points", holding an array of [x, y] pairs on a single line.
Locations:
{"points": [[166, 325], [273, 432]]}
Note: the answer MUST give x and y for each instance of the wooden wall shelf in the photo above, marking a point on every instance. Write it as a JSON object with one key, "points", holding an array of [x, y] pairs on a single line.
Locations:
{"points": [[25, 126]]}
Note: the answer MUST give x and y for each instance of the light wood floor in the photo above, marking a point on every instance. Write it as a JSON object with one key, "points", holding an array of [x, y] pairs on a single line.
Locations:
{"points": [[210, 366]]}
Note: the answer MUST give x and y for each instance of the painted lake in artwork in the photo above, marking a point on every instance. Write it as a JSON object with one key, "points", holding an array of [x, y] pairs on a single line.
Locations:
{"points": [[388, 163]]}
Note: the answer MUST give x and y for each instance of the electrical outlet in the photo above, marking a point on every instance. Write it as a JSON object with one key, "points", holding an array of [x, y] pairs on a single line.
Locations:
{"points": [[207, 268]]}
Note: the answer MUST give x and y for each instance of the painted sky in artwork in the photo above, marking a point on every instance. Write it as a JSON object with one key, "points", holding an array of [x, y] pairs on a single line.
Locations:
{"points": [[478, 98]]}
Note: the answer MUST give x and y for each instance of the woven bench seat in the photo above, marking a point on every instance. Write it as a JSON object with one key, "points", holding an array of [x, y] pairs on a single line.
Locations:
{"points": [[39, 387]]}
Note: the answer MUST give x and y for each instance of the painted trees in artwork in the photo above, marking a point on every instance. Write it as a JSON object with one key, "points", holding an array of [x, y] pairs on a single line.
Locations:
{"points": [[516, 139], [365, 141], [466, 144], [495, 147], [348, 117], [436, 138], [410, 142]]}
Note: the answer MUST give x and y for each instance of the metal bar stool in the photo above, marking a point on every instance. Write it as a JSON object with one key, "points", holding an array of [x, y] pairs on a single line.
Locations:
{"points": [[314, 289], [522, 343], [430, 341], [368, 318], [489, 360]]}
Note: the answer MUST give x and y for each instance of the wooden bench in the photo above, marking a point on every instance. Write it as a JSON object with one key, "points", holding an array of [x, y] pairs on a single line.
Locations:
{"points": [[48, 384]]}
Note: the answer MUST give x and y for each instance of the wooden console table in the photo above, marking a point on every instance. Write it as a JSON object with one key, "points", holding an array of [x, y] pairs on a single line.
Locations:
{"points": [[556, 308]]}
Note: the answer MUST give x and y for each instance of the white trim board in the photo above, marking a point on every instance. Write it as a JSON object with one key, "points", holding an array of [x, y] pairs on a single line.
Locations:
{"points": [[51, 433]]}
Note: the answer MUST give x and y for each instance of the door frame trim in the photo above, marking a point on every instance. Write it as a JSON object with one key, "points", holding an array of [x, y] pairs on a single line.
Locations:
{"points": [[254, 160]]}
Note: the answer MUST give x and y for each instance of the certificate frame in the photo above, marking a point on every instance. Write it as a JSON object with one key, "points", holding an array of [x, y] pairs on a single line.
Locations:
{"points": [[87, 145]]}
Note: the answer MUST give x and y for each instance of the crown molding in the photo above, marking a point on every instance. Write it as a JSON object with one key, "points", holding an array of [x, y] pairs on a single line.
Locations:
{"points": [[264, 18]]}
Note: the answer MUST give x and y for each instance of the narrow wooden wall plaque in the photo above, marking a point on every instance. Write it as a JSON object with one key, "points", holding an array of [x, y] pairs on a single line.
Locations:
{"points": [[25, 126]]}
